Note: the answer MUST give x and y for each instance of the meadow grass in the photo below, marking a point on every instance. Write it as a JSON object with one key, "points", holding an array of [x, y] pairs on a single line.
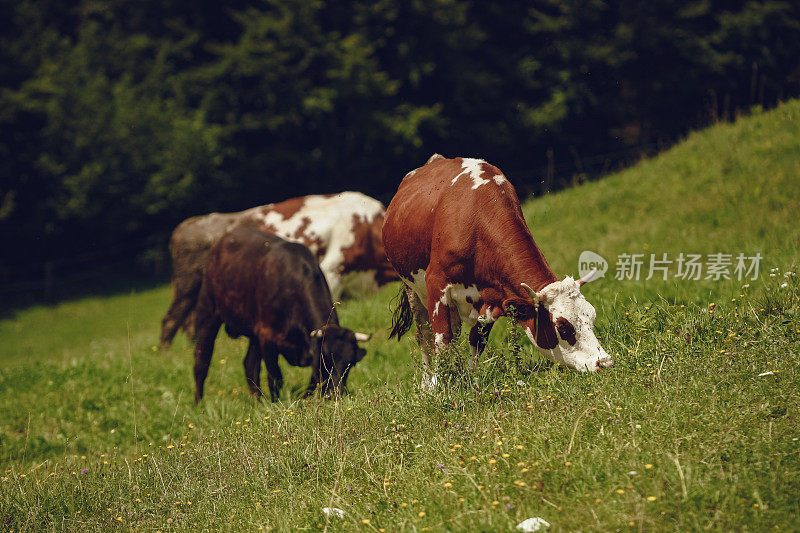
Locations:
{"points": [[99, 431]]}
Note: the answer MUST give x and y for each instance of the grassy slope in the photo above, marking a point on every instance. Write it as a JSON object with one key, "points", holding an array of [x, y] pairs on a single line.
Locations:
{"points": [[731, 189], [81, 387]]}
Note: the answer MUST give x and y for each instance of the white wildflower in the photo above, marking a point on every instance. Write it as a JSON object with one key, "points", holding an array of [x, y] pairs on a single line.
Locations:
{"points": [[533, 524], [333, 511]]}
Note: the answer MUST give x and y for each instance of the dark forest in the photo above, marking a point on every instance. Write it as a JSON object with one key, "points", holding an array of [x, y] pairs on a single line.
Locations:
{"points": [[118, 119]]}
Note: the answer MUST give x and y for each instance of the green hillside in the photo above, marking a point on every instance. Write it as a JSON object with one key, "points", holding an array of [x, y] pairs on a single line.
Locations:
{"points": [[98, 430], [733, 188]]}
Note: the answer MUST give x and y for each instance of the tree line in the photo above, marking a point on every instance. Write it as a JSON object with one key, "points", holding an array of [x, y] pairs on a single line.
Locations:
{"points": [[120, 118]]}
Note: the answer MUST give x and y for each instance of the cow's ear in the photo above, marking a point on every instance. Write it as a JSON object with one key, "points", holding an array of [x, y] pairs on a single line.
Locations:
{"points": [[360, 354], [546, 337], [521, 308]]}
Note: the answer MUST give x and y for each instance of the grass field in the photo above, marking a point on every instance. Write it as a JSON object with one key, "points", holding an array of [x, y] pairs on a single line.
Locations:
{"points": [[98, 430]]}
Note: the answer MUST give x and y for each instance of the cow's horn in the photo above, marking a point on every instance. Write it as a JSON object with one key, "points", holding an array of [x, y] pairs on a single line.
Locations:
{"points": [[433, 158], [588, 277], [362, 337], [532, 293], [316, 333]]}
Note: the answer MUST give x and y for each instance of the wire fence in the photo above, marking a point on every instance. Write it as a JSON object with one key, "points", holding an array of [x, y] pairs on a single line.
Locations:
{"points": [[42, 279]]}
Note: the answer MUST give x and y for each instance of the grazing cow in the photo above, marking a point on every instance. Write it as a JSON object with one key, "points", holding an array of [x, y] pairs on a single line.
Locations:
{"points": [[273, 292], [343, 230], [455, 234]]}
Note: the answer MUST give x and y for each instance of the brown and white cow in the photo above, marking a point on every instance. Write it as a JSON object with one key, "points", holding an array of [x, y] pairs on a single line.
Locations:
{"points": [[456, 235], [342, 230]]}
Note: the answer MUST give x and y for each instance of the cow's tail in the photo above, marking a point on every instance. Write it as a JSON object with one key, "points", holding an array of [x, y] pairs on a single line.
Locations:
{"points": [[402, 318]]}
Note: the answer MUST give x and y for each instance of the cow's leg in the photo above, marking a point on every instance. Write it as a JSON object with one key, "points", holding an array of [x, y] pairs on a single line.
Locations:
{"points": [[183, 302], [423, 334], [316, 371], [252, 368], [332, 270], [439, 315], [188, 326], [439, 312], [478, 337], [207, 335], [274, 374], [208, 324]]}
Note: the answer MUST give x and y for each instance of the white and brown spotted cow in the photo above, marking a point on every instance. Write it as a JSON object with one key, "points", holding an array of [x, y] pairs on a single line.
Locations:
{"points": [[342, 230], [456, 235]]}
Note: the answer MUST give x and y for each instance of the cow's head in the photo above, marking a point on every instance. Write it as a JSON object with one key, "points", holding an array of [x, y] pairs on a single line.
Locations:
{"points": [[339, 351], [561, 324]]}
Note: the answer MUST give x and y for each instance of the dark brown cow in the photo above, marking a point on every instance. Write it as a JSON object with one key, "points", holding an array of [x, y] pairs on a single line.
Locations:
{"points": [[273, 292], [456, 235], [343, 231]]}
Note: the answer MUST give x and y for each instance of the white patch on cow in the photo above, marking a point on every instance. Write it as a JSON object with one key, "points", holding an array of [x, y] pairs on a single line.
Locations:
{"points": [[444, 300], [564, 300], [487, 317], [329, 220], [471, 168], [439, 340], [457, 295], [453, 294], [499, 179]]}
